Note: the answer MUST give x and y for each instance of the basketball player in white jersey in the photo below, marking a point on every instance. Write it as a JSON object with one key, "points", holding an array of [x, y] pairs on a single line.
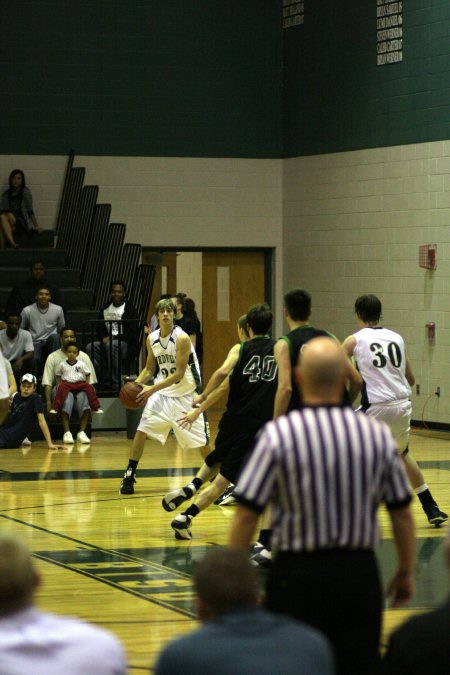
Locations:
{"points": [[172, 361], [381, 359]]}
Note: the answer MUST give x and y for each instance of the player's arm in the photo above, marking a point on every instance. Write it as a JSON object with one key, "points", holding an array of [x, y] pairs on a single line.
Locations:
{"points": [[284, 388], [220, 374], [349, 345], [149, 369], [181, 362], [401, 586], [214, 396], [354, 380], [353, 376], [409, 373]]}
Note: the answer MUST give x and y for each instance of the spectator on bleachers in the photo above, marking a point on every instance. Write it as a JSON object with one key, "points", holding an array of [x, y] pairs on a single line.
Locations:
{"points": [[44, 320], [74, 400], [17, 217], [183, 320], [25, 294], [190, 313], [26, 408], [17, 346], [117, 336]]}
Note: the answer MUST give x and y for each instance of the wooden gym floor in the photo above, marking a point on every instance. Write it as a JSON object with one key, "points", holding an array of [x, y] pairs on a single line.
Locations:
{"points": [[113, 560]]}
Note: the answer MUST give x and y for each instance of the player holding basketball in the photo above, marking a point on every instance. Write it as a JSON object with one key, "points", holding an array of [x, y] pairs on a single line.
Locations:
{"points": [[252, 372], [381, 359], [173, 363]]}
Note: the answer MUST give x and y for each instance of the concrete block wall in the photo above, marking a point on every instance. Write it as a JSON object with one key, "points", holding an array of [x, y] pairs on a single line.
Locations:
{"points": [[353, 224]]}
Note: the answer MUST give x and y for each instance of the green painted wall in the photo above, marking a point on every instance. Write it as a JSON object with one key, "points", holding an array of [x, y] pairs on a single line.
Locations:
{"points": [[133, 77], [336, 98], [204, 78]]}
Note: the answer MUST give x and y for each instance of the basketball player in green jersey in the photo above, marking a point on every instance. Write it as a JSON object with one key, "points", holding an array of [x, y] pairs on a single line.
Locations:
{"points": [[252, 372]]}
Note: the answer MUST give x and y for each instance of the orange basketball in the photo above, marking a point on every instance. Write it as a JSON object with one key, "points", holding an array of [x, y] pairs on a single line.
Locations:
{"points": [[128, 394]]}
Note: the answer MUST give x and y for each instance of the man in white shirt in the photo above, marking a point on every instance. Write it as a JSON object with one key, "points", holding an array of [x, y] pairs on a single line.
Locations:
{"points": [[117, 341], [78, 400], [380, 357], [44, 644], [44, 320]]}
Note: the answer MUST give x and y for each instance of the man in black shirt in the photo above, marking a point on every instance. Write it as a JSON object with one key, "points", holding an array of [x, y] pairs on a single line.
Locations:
{"points": [[182, 320], [252, 383], [25, 407], [25, 294], [297, 309]]}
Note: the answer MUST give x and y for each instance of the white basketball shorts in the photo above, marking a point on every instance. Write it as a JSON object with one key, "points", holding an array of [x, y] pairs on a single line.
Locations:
{"points": [[161, 414], [397, 415]]}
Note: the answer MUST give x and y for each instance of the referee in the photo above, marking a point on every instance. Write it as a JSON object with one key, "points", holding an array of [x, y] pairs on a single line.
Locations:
{"points": [[327, 469]]}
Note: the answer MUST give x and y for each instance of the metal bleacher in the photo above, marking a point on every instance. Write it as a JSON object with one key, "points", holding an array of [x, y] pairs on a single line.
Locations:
{"points": [[82, 256]]}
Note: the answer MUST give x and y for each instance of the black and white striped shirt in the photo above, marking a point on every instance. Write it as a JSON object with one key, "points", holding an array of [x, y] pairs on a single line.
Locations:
{"points": [[326, 469]]}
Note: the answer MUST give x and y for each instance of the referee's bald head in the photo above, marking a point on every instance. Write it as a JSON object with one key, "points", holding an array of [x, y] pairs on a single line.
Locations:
{"points": [[321, 371]]}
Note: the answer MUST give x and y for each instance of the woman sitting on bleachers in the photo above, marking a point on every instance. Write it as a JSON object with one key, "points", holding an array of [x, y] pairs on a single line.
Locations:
{"points": [[16, 210]]}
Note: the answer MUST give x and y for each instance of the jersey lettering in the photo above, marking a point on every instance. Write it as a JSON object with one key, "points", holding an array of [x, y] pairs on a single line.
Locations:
{"points": [[255, 372], [165, 358], [166, 372], [393, 352]]}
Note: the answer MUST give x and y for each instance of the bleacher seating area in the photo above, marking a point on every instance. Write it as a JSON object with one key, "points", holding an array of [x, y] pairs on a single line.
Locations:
{"points": [[82, 256]]}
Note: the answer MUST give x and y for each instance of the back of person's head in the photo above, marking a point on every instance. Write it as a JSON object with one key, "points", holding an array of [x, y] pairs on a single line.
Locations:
{"points": [[165, 303], [224, 580], [18, 579], [165, 296], [179, 299], [368, 308], [298, 304], [259, 318], [13, 173], [242, 324], [189, 307]]}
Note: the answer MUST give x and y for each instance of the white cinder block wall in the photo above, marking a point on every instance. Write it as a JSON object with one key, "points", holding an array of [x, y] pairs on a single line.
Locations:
{"points": [[353, 223]]}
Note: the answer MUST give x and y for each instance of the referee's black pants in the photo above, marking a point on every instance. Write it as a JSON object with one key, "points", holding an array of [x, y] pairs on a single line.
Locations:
{"points": [[339, 592]]}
